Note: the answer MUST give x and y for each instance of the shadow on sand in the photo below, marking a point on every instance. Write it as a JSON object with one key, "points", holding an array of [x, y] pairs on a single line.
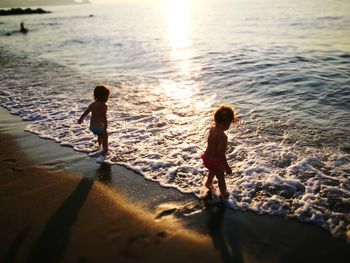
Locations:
{"points": [[224, 238], [104, 174], [246, 237], [51, 243], [224, 234]]}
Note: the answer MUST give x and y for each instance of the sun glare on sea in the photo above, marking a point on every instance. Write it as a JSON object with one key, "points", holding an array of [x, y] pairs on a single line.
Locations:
{"points": [[178, 19], [178, 23]]}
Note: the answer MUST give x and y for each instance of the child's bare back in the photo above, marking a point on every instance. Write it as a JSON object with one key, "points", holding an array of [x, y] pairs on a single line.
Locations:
{"points": [[98, 114], [98, 121]]}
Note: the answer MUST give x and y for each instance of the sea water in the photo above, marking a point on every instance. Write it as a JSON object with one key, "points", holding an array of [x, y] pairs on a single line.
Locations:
{"points": [[284, 65]]}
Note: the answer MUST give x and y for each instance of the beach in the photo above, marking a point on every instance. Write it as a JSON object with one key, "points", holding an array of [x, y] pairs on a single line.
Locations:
{"points": [[284, 68], [51, 216], [51, 212], [290, 151]]}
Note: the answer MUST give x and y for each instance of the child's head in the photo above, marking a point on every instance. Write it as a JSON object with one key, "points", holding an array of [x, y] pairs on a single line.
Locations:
{"points": [[101, 93], [224, 115]]}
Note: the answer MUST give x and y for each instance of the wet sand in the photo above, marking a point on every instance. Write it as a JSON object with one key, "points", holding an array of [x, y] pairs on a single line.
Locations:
{"points": [[57, 205], [49, 216]]}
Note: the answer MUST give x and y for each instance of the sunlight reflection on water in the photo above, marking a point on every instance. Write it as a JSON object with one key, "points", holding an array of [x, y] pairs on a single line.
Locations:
{"points": [[286, 69]]}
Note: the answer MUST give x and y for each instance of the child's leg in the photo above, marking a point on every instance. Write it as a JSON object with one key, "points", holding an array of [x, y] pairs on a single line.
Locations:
{"points": [[104, 138], [99, 140], [209, 183], [220, 175]]}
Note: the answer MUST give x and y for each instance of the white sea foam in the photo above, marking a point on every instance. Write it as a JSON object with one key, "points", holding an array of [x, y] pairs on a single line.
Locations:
{"points": [[289, 154], [164, 144]]}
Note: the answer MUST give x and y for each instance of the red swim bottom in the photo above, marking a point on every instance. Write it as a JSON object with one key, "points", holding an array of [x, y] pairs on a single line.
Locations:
{"points": [[211, 164]]}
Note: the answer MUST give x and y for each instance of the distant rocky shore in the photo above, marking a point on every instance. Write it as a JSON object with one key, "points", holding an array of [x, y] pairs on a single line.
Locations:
{"points": [[20, 11]]}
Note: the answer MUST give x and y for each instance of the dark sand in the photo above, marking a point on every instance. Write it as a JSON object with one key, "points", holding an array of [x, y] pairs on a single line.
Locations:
{"points": [[51, 216], [57, 205]]}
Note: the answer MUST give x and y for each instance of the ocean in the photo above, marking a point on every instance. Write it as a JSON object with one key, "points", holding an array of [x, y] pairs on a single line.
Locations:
{"points": [[284, 66]]}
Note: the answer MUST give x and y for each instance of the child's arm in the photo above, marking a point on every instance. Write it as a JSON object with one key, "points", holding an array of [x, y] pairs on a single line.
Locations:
{"points": [[222, 147], [85, 113]]}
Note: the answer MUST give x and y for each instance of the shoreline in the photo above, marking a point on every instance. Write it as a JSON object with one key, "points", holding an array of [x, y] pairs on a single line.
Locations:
{"points": [[39, 171], [56, 216]]}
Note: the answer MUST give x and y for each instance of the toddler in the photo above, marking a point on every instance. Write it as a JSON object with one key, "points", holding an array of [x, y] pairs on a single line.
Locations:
{"points": [[214, 157], [98, 122]]}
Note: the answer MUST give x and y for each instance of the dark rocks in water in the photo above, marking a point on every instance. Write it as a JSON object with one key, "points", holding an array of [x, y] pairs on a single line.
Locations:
{"points": [[20, 11], [36, 3]]}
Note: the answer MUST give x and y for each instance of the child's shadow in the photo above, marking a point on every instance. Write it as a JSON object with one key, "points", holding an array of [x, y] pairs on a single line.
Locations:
{"points": [[223, 233], [104, 173], [50, 245]]}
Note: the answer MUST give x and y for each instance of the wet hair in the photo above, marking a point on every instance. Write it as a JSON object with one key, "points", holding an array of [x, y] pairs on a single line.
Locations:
{"points": [[101, 93], [224, 115]]}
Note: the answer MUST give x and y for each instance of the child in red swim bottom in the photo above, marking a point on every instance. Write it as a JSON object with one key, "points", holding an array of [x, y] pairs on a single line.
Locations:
{"points": [[214, 157]]}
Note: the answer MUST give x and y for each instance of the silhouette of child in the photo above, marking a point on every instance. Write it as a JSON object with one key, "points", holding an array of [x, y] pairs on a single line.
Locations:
{"points": [[98, 122], [214, 157], [23, 29]]}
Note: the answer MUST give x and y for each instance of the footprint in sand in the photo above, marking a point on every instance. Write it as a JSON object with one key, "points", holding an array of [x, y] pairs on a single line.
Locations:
{"points": [[166, 213]]}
